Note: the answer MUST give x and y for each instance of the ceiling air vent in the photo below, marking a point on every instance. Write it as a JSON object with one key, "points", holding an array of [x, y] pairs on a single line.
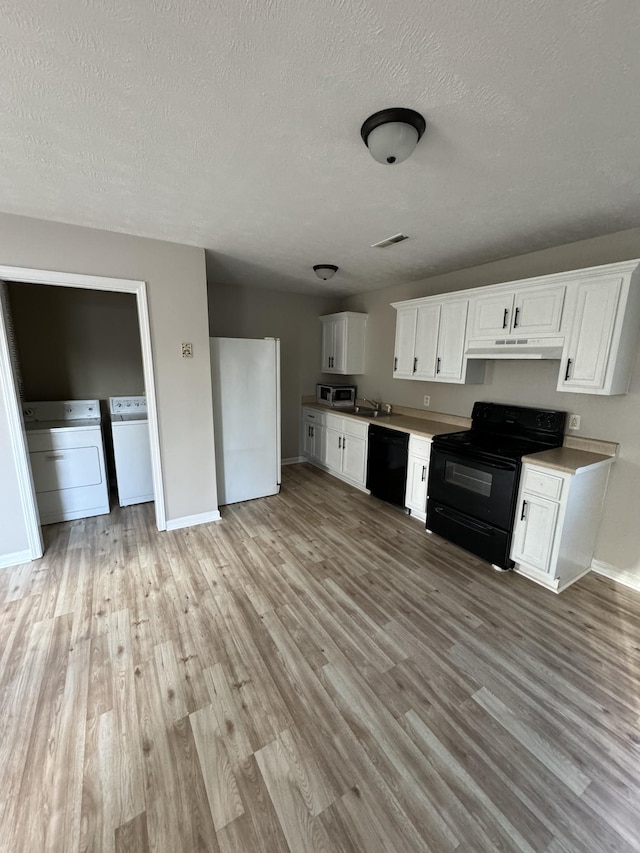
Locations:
{"points": [[397, 238]]}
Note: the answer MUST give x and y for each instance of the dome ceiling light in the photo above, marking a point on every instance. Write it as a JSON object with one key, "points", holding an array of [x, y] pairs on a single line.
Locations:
{"points": [[325, 271], [391, 135]]}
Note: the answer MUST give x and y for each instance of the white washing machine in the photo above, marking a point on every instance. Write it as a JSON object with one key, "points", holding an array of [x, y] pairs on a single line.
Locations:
{"points": [[131, 449], [67, 459]]}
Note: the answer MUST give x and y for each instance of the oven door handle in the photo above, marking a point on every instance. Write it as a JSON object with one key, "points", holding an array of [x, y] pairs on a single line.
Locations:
{"points": [[503, 466], [485, 529], [471, 460]]}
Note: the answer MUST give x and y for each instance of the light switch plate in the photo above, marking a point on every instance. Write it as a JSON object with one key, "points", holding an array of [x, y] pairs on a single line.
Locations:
{"points": [[187, 350]]}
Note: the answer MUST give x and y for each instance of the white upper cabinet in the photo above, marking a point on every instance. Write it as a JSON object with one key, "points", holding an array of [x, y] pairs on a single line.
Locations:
{"points": [[430, 341], [533, 310], [343, 342], [406, 323], [596, 346], [451, 341], [588, 318]]}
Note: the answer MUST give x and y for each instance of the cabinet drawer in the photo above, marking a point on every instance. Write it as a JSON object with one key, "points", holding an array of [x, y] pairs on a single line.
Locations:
{"points": [[311, 416], [332, 421], [540, 483], [420, 446], [355, 428]]}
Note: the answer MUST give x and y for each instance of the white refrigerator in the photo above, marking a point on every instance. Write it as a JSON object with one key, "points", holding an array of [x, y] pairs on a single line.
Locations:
{"points": [[245, 378]]}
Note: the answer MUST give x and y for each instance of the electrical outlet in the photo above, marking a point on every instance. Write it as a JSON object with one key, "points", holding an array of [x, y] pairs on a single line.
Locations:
{"points": [[574, 421], [187, 350], [427, 400]]}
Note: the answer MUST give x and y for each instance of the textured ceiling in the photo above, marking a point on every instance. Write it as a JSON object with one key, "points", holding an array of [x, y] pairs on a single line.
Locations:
{"points": [[234, 125]]}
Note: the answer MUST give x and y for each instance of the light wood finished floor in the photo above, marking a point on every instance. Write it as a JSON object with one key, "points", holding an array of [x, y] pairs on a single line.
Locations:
{"points": [[313, 673]]}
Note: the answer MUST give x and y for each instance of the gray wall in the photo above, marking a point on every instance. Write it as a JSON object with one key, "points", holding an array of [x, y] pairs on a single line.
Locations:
{"points": [[176, 282], [243, 312], [76, 344], [526, 383]]}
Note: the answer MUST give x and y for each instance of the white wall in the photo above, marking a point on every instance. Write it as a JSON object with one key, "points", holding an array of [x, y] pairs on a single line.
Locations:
{"points": [[176, 282], [525, 383]]}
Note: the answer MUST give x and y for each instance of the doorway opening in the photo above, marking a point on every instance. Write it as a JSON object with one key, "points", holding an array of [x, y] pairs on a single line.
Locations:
{"points": [[136, 296]]}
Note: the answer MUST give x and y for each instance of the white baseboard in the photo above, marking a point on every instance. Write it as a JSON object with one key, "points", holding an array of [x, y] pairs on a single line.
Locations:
{"points": [[193, 520], [15, 559], [293, 460], [631, 579]]}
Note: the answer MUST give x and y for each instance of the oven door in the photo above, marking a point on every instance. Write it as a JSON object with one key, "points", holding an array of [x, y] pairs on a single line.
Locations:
{"points": [[484, 490]]}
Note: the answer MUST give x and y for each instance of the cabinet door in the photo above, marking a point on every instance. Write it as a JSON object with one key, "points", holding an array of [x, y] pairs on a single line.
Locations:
{"points": [[590, 339], [339, 363], [417, 475], [425, 351], [328, 345], [406, 321], [451, 338], [492, 315], [318, 447], [308, 441], [354, 458], [538, 310], [333, 450], [534, 531]]}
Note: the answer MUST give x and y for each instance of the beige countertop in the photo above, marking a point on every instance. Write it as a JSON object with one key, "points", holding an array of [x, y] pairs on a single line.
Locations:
{"points": [[403, 423], [568, 459], [575, 455]]}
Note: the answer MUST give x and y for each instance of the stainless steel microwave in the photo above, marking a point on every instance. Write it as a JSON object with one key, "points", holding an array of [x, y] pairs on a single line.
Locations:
{"points": [[337, 396]]}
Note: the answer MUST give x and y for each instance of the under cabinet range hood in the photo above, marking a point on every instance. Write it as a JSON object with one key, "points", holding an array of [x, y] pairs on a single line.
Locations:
{"points": [[516, 348]]}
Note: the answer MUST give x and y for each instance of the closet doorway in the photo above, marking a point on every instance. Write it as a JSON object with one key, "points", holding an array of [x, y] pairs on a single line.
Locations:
{"points": [[14, 408]]}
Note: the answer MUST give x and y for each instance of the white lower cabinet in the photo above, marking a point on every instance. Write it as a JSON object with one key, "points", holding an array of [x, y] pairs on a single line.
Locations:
{"points": [[337, 444], [313, 436], [314, 441], [535, 531], [346, 449], [556, 523], [418, 476]]}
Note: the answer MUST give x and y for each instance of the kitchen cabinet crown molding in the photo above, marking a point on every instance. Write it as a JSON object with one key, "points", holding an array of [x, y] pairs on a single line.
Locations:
{"points": [[566, 277]]}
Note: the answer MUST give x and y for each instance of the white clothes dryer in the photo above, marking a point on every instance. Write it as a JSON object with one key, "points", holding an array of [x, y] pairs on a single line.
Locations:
{"points": [[67, 459]]}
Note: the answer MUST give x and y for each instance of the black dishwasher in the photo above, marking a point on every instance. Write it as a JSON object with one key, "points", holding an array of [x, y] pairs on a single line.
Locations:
{"points": [[387, 464]]}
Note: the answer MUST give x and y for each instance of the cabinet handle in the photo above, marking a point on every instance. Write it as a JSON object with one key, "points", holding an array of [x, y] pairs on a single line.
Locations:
{"points": [[566, 373], [438, 365], [524, 507], [424, 473], [515, 318], [339, 442], [53, 456], [312, 432], [504, 318], [415, 364], [344, 442], [395, 364]]}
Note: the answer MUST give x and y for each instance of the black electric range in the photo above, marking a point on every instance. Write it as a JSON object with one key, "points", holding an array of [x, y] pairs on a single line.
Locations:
{"points": [[474, 476]]}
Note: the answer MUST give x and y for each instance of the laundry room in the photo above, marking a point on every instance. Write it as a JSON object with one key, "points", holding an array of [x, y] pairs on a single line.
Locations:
{"points": [[79, 370]]}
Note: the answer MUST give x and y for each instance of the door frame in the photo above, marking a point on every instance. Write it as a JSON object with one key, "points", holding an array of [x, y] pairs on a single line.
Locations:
{"points": [[14, 409]]}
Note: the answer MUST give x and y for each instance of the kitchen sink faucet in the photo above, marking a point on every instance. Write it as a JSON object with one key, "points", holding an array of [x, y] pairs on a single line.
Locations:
{"points": [[374, 403]]}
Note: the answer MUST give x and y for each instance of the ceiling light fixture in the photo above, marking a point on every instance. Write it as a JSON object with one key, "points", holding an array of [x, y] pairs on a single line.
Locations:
{"points": [[391, 135], [325, 271]]}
